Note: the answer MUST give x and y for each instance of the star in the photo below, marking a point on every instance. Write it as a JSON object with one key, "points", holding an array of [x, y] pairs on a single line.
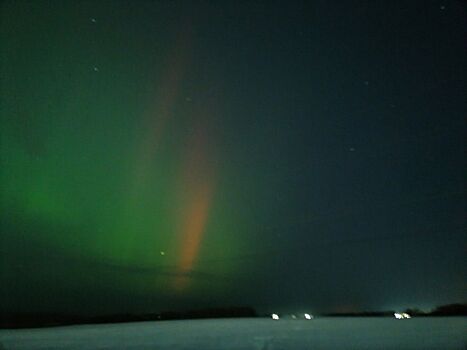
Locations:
{"points": [[93, 20], [95, 69]]}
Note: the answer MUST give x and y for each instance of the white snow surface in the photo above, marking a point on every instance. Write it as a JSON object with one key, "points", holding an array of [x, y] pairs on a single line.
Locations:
{"points": [[249, 333]]}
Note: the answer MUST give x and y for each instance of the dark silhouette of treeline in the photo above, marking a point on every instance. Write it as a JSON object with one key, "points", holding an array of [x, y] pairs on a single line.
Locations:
{"points": [[32, 320], [443, 310]]}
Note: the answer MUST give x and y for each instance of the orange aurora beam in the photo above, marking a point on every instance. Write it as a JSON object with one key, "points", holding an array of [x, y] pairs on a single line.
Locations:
{"points": [[165, 91], [197, 191], [160, 111], [194, 227]]}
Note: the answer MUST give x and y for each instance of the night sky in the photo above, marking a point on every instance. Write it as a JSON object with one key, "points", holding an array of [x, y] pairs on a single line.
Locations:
{"points": [[284, 155]]}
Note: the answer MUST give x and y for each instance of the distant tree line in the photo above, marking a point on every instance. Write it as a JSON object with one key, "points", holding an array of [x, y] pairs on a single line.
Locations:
{"points": [[31, 320], [444, 310]]}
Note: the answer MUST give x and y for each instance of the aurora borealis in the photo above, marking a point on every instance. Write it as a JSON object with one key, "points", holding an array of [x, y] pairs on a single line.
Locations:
{"points": [[160, 155]]}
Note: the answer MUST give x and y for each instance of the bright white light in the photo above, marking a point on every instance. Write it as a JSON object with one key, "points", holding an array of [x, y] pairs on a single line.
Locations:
{"points": [[308, 316], [398, 316], [275, 316], [405, 315]]}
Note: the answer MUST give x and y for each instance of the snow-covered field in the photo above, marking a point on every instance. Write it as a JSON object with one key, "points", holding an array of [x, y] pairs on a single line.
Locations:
{"points": [[320, 333]]}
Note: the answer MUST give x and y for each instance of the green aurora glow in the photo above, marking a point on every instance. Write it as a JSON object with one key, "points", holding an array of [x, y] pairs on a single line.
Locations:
{"points": [[168, 155]]}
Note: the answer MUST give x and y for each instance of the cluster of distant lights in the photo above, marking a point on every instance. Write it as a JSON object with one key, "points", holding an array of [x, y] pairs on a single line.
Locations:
{"points": [[397, 315], [402, 315], [305, 316]]}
